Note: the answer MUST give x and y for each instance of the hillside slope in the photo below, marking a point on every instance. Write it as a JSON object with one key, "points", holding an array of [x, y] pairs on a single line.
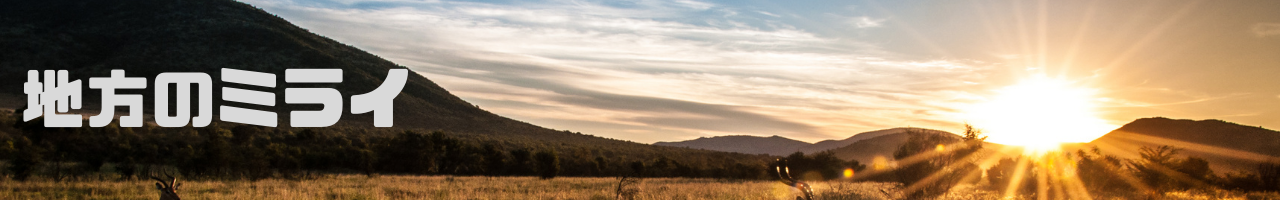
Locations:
{"points": [[861, 146], [1227, 146], [776, 145], [147, 37], [881, 146], [833, 144]]}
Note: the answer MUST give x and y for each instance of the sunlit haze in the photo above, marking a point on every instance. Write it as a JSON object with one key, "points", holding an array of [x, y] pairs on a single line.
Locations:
{"points": [[1039, 113]]}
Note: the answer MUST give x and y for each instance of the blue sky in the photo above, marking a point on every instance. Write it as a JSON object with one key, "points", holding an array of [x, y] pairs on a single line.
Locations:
{"points": [[658, 70]]}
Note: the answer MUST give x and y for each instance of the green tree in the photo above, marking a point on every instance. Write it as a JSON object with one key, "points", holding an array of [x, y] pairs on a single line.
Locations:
{"points": [[28, 158], [638, 168], [495, 160], [522, 160], [1155, 165], [1195, 167], [548, 164], [1005, 173], [1099, 171], [661, 167], [930, 149], [408, 152], [598, 166], [1269, 174]]}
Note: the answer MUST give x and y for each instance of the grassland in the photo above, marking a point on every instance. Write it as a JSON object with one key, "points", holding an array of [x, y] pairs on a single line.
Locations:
{"points": [[444, 187], [404, 187]]}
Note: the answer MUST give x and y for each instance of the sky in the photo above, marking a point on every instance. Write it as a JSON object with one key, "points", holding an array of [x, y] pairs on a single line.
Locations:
{"points": [[659, 70]]}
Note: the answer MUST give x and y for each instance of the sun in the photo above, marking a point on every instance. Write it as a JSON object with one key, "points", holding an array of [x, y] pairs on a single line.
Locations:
{"points": [[1040, 114]]}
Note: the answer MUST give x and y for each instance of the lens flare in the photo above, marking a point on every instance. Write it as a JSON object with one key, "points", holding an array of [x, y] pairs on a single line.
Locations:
{"points": [[1039, 114]]}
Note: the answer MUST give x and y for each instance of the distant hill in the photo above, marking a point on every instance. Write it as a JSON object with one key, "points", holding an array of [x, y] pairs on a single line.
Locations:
{"points": [[833, 144], [881, 146], [1227, 146], [856, 146], [776, 145], [148, 37]]}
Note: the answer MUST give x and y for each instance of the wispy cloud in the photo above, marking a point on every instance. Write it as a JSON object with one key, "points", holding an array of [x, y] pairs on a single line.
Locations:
{"points": [[768, 13], [645, 72], [865, 22], [694, 4], [1266, 29]]}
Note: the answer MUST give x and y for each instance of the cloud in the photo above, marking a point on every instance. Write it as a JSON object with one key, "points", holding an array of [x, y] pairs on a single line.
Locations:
{"points": [[694, 4], [645, 72], [354, 2], [1266, 29], [768, 13], [866, 22]]}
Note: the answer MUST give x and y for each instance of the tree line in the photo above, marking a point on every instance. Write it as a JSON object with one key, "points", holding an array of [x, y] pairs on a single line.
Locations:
{"points": [[224, 151], [221, 151]]}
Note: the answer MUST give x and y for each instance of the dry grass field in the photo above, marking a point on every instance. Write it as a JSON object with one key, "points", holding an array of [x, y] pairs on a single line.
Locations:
{"points": [[405, 187], [444, 187]]}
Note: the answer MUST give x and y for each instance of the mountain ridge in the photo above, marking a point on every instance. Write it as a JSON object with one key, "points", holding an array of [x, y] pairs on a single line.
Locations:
{"points": [[782, 146], [833, 144], [1227, 146], [741, 144]]}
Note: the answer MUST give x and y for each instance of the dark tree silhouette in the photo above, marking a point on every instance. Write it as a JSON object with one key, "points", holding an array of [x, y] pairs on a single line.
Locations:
{"points": [[548, 164]]}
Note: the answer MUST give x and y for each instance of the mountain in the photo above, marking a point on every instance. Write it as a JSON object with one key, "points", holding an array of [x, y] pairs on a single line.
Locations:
{"points": [[867, 150], [149, 37], [856, 146], [776, 145], [833, 144], [89, 38], [1227, 146]]}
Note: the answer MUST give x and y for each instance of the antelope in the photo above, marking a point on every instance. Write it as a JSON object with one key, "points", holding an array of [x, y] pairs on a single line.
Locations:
{"points": [[784, 173], [168, 189]]}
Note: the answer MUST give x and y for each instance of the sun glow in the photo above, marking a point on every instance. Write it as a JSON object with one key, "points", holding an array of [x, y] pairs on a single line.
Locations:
{"points": [[1039, 114]]}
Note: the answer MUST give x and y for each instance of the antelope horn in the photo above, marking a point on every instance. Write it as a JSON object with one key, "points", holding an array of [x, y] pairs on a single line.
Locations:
{"points": [[784, 172], [172, 180], [161, 181], [787, 172]]}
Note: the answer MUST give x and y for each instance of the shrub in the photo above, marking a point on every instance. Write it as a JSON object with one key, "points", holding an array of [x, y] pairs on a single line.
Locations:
{"points": [[548, 164]]}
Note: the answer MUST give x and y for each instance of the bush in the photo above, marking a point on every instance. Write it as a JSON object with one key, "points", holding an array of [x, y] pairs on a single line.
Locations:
{"points": [[1099, 172], [1003, 175], [548, 164], [948, 167], [1269, 173]]}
